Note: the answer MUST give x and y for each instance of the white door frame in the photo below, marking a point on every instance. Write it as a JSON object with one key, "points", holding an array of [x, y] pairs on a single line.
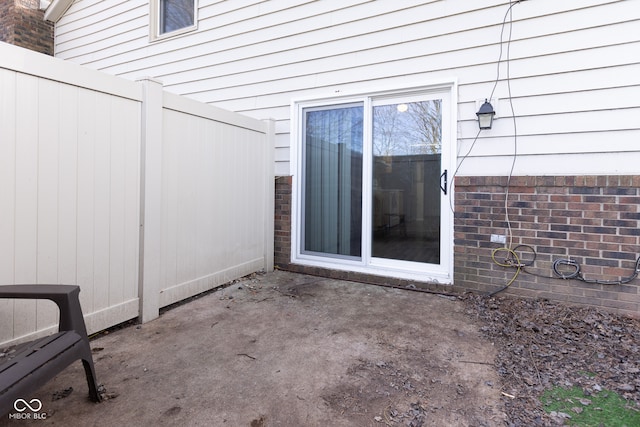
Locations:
{"points": [[442, 273]]}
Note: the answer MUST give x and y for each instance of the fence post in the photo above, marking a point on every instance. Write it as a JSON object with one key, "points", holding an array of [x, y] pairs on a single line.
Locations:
{"points": [[150, 199], [269, 191]]}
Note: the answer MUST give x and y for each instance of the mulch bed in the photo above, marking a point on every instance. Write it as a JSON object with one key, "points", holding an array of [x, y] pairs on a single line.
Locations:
{"points": [[543, 344]]}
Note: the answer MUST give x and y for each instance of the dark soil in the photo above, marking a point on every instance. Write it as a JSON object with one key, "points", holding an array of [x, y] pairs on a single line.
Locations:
{"points": [[544, 344]]}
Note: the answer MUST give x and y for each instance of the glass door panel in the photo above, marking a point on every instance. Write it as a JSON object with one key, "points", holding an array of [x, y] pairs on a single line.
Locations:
{"points": [[332, 205], [406, 174]]}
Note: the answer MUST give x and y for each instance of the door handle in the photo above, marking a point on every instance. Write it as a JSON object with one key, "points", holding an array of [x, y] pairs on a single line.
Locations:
{"points": [[443, 182]]}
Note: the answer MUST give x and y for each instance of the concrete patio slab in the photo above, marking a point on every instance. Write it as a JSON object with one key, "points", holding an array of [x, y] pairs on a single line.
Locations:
{"points": [[284, 349]]}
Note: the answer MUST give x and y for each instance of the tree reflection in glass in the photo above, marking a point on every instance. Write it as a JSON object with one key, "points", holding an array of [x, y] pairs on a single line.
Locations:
{"points": [[407, 147]]}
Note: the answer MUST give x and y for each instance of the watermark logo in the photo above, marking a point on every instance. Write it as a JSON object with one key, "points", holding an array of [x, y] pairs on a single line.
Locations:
{"points": [[22, 405], [27, 410]]}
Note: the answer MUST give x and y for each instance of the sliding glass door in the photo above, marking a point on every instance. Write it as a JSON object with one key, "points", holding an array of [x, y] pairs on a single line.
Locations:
{"points": [[372, 193]]}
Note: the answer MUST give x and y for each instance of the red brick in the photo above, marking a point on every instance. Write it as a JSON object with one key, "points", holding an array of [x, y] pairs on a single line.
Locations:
{"points": [[23, 24]]}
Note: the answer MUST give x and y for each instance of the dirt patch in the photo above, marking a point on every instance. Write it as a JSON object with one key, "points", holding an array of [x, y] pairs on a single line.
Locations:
{"points": [[285, 349], [260, 422], [407, 397]]}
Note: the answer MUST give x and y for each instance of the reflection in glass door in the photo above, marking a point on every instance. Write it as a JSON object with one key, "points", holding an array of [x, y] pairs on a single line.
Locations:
{"points": [[406, 187], [333, 181]]}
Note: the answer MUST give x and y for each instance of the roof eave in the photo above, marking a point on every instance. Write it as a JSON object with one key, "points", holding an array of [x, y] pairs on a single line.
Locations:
{"points": [[56, 9]]}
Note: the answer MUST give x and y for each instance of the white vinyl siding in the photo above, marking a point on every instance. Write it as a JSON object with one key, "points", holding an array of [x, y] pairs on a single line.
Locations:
{"points": [[573, 67]]}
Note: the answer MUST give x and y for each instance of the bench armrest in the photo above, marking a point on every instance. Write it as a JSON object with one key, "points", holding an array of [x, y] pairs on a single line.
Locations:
{"points": [[65, 297]]}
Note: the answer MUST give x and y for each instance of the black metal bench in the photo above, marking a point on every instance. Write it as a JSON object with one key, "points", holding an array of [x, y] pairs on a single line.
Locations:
{"points": [[36, 362]]}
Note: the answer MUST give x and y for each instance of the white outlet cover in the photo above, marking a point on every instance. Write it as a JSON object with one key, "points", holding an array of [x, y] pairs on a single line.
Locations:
{"points": [[498, 238]]}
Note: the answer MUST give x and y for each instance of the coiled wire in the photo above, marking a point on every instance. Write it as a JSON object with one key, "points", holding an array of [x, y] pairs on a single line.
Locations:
{"points": [[577, 274], [512, 260]]}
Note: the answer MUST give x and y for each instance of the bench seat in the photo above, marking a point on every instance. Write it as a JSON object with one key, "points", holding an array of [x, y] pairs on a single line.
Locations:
{"points": [[36, 362]]}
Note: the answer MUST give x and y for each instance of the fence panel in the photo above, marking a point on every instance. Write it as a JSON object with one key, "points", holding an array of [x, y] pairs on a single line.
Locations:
{"points": [[69, 190], [213, 198], [140, 197]]}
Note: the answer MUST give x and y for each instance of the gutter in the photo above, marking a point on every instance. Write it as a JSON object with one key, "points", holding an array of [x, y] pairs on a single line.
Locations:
{"points": [[55, 9]]}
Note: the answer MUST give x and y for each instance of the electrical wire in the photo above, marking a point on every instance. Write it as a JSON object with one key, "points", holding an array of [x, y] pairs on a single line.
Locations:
{"points": [[515, 131], [504, 22], [577, 273], [455, 173], [513, 260], [509, 15]]}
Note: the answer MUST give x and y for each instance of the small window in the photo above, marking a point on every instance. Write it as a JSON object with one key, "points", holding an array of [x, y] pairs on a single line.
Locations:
{"points": [[172, 17]]}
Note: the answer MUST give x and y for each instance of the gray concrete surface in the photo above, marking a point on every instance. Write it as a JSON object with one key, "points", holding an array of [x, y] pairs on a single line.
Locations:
{"points": [[284, 349]]}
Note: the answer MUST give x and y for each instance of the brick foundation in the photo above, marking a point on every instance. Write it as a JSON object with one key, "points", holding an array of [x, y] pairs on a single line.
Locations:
{"points": [[282, 226], [22, 24], [593, 220]]}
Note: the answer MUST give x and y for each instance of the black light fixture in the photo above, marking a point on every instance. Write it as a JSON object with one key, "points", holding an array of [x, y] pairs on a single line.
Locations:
{"points": [[485, 115]]}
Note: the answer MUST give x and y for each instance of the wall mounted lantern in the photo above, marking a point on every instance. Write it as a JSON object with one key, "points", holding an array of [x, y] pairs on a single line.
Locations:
{"points": [[485, 115]]}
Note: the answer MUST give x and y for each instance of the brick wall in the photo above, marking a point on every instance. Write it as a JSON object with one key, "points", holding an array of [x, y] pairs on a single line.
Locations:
{"points": [[22, 24], [593, 220], [282, 226], [7, 15]]}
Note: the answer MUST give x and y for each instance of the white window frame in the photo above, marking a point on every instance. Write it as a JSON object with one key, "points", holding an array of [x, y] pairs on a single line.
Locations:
{"points": [[155, 25], [409, 271]]}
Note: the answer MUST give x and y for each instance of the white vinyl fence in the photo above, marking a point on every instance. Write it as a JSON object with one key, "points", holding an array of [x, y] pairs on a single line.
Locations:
{"points": [[141, 197]]}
